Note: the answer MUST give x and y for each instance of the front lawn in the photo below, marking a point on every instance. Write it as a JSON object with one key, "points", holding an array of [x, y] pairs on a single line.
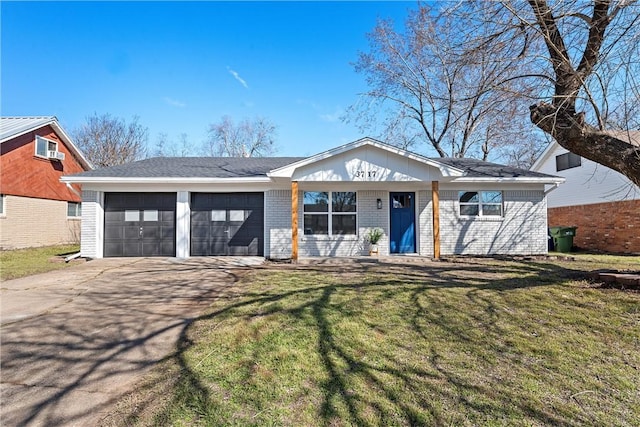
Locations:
{"points": [[470, 342], [25, 262]]}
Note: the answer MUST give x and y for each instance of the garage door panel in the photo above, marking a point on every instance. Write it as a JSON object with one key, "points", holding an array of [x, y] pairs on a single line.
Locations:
{"points": [[217, 218], [131, 249], [126, 214], [128, 232], [151, 232]]}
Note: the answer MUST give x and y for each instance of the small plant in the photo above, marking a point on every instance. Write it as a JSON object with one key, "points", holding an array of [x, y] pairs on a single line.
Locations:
{"points": [[374, 235]]}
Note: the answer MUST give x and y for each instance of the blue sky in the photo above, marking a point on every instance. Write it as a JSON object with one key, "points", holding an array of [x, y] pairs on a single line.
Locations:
{"points": [[181, 66]]}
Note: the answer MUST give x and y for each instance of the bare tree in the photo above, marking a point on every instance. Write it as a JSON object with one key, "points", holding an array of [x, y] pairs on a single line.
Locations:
{"points": [[428, 86], [107, 141], [583, 61], [166, 147], [249, 138]]}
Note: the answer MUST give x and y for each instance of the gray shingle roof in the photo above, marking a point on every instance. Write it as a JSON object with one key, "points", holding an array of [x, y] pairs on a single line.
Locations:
{"points": [[246, 167], [475, 168], [194, 167]]}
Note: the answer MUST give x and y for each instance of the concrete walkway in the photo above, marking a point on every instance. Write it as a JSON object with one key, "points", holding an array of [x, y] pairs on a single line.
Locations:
{"points": [[75, 340]]}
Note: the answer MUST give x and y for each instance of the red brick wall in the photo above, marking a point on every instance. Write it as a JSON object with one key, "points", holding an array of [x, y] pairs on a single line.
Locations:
{"points": [[25, 174], [610, 227]]}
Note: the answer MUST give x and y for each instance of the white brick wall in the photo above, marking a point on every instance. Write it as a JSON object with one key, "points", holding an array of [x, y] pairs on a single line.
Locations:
{"points": [[425, 224], [278, 227], [277, 224], [29, 222], [522, 230], [368, 217], [91, 210]]}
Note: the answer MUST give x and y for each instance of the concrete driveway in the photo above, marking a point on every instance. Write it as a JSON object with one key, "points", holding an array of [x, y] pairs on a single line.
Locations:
{"points": [[74, 341]]}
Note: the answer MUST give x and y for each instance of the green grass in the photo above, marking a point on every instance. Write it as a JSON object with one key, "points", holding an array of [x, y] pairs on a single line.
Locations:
{"points": [[465, 343], [25, 262]]}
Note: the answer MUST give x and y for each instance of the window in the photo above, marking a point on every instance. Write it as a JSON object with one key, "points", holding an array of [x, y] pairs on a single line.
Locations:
{"points": [[480, 203], [567, 161], [150, 215], [329, 212], [2, 198], [44, 145], [74, 210]]}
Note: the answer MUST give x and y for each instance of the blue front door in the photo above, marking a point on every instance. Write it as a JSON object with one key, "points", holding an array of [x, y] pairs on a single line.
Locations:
{"points": [[403, 219]]}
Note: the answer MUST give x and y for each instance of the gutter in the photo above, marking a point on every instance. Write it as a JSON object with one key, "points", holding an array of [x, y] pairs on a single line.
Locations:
{"points": [[553, 187]]}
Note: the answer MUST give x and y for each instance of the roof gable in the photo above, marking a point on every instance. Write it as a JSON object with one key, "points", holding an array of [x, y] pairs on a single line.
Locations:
{"points": [[361, 157], [13, 127]]}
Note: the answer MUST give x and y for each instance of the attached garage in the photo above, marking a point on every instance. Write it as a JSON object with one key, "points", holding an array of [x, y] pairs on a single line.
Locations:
{"points": [[139, 224], [227, 224]]}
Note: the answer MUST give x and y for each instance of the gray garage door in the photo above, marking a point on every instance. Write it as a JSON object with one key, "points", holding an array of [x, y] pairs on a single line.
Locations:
{"points": [[139, 224], [227, 224]]}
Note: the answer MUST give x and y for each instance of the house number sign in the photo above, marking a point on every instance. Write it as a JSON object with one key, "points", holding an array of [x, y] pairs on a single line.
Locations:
{"points": [[365, 174]]}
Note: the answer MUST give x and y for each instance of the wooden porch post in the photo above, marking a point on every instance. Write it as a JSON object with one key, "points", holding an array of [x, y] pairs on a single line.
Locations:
{"points": [[435, 201], [294, 221]]}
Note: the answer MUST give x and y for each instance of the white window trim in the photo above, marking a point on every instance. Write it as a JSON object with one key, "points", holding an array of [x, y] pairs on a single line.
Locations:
{"points": [[330, 213], [48, 141], [3, 198], [480, 204]]}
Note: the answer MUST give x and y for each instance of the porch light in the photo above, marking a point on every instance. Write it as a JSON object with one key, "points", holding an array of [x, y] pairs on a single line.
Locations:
{"points": [[379, 203]]}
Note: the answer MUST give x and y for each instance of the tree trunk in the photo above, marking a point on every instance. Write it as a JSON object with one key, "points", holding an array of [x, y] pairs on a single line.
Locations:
{"points": [[584, 140]]}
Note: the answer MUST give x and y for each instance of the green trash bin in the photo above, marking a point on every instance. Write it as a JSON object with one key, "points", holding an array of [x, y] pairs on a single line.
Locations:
{"points": [[563, 238]]}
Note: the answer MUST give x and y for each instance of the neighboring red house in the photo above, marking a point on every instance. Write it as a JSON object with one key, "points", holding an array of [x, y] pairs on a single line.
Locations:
{"points": [[602, 203], [36, 209]]}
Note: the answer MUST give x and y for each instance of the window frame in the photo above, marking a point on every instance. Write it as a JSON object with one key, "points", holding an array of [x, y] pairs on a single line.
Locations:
{"points": [[3, 205], [77, 210], [572, 161], [330, 213], [480, 204], [48, 142]]}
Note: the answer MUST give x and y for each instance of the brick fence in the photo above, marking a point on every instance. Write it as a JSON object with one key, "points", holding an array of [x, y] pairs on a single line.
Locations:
{"points": [[610, 227]]}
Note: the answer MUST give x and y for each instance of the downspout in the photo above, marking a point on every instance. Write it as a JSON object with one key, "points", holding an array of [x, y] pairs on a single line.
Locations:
{"points": [[73, 190]]}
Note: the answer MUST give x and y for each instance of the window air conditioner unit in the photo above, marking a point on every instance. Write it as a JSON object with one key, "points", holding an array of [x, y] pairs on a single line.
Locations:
{"points": [[55, 155]]}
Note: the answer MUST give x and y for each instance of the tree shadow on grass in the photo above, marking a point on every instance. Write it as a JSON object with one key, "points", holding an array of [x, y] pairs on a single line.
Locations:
{"points": [[397, 387]]}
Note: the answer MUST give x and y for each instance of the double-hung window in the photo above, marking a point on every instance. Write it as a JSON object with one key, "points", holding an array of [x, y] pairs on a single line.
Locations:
{"points": [[44, 145], [330, 212], [480, 203], [74, 210]]}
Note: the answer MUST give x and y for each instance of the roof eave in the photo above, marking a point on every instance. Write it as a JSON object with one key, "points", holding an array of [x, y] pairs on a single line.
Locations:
{"points": [[515, 180], [163, 180]]}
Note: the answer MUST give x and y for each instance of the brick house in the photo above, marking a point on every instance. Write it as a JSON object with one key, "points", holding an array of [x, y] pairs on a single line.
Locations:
{"points": [[602, 203], [323, 205], [36, 209]]}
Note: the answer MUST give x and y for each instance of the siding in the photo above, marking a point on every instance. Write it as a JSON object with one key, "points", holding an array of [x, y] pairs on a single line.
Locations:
{"points": [[31, 222], [25, 174], [91, 230], [522, 230], [586, 184]]}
